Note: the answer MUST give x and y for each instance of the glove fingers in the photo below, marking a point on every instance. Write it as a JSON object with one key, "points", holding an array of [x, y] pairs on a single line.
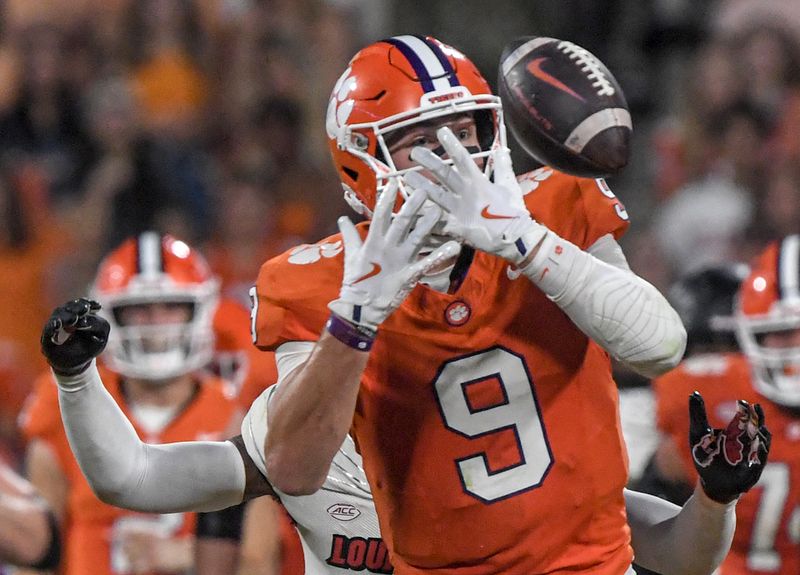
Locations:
{"points": [[443, 171], [74, 335], [79, 306], [435, 258], [382, 216], [56, 333], [437, 194], [457, 152], [429, 216], [350, 237], [66, 317], [91, 323], [405, 218], [763, 432], [503, 168], [71, 313], [98, 332], [698, 421], [759, 415]]}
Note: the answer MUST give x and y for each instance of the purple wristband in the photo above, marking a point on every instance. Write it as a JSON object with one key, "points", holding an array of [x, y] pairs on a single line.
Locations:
{"points": [[349, 334]]}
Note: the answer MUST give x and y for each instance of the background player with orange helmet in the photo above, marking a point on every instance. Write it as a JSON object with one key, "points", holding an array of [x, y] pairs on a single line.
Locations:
{"points": [[161, 298], [338, 524], [767, 320]]}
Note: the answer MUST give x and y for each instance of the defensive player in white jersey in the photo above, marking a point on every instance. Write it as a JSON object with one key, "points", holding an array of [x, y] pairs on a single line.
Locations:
{"points": [[338, 524]]}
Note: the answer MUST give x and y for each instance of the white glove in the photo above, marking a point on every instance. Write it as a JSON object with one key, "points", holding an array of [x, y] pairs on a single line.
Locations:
{"points": [[489, 216], [381, 271]]}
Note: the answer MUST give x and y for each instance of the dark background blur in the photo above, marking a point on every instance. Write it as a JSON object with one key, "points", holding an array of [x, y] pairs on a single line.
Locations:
{"points": [[204, 118]]}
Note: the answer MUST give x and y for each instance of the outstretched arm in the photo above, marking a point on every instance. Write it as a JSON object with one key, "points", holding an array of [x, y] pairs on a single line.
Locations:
{"points": [[667, 539], [125, 472], [695, 539], [120, 468]]}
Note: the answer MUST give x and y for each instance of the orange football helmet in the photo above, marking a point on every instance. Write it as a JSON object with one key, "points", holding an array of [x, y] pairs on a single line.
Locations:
{"points": [[151, 269], [391, 85], [769, 303]]}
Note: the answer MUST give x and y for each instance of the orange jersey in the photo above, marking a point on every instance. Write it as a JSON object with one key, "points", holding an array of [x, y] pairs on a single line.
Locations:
{"points": [[766, 538], [90, 545], [487, 421]]}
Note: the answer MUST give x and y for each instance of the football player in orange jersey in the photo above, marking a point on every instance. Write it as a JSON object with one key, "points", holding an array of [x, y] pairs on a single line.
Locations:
{"points": [[161, 298], [478, 404], [476, 396], [766, 370]]}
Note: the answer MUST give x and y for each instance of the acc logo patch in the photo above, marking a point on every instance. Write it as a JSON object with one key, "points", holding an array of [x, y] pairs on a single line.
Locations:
{"points": [[343, 511], [310, 253]]}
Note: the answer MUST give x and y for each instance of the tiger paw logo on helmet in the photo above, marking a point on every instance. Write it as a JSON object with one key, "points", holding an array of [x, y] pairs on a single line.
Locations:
{"points": [[340, 107]]}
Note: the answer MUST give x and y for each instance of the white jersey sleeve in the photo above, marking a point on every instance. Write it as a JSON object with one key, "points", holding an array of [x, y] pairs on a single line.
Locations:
{"points": [[338, 525]]}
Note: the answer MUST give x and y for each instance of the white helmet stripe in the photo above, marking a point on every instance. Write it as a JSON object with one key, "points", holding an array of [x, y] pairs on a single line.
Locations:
{"points": [[150, 261], [438, 75], [789, 268]]}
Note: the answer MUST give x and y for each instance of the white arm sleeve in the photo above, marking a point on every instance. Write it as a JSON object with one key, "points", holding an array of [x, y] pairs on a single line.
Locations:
{"points": [[623, 313], [671, 540], [125, 472]]}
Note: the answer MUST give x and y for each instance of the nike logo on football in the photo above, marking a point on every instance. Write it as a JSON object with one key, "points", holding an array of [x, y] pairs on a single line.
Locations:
{"points": [[376, 269], [535, 68], [485, 213]]}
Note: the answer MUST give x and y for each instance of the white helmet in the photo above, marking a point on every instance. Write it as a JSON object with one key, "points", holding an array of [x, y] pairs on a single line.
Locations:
{"points": [[768, 303]]}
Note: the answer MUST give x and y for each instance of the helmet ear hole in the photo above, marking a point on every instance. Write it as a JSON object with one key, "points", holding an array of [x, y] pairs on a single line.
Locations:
{"points": [[351, 173]]}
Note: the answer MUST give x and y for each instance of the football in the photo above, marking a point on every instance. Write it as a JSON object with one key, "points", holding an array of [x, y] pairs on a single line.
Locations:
{"points": [[564, 107]]}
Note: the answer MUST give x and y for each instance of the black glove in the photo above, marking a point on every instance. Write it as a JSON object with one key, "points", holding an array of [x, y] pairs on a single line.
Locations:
{"points": [[729, 461], [73, 336]]}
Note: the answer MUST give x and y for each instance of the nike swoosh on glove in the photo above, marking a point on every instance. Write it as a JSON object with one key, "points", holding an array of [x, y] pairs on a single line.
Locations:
{"points": [[381, 271], [488, 215]]}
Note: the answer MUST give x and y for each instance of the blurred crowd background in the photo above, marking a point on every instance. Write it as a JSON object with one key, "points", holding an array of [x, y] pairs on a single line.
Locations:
{"points": [[205, 119]]}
